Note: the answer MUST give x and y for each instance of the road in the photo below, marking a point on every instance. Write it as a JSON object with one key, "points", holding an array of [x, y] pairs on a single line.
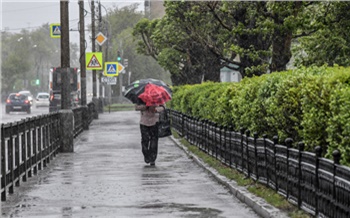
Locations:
{"points": [[17, 116]]}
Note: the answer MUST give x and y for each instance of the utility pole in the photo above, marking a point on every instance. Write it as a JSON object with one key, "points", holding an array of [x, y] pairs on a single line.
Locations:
{"points": [[100, 50], [121, 74], [93, 47], [66, 113], [108, 87], [82, 52], [65, 56], [82, 64]]}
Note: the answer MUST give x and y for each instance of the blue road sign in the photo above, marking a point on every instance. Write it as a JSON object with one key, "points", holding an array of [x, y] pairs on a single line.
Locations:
{"points": [[111, 68], [55, 30]]}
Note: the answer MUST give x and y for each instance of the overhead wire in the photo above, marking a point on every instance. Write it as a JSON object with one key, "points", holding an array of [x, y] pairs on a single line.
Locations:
{"points": [[26, 9]]}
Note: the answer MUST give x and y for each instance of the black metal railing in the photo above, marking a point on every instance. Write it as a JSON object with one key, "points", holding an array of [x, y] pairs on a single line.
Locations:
{"points": [[316, 185], [28, 145], [91, 111], [78, 121]]}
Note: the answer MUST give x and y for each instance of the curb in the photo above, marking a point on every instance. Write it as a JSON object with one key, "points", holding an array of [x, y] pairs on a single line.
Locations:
{"points": [[259, 205]]}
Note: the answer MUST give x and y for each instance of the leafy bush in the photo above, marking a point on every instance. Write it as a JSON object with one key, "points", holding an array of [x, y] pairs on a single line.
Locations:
{"points": [[308, 104]]}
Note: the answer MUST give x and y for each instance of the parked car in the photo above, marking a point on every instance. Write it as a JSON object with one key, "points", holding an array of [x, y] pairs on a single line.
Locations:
{"points": [[42, 99], [29, 94], [17, 102]]}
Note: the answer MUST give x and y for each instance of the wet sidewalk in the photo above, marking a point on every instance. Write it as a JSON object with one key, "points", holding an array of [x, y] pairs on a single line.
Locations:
{"points": [[106, 177]]}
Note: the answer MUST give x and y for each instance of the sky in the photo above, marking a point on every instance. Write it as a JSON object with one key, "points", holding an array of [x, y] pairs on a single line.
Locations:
{"points": [[30, 14], [16, 15]]}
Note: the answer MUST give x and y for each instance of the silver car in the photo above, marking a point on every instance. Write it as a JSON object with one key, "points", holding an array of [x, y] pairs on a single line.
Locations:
{"points": [[42, 99]]}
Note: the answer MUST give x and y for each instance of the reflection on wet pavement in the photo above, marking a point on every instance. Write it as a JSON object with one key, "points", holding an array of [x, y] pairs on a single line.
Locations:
{"points": [[106, 177]]}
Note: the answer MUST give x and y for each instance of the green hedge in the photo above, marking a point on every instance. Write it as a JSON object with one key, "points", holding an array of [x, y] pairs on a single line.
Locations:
{"points": [[308, 104]]}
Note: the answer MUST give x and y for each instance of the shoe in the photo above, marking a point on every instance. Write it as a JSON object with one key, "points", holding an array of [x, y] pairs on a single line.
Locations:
{"points": [[152, 163], [146, 160]]}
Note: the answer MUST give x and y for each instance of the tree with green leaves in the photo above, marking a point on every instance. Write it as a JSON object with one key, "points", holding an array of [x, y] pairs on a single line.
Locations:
{"points": [[171, 44], [27, 56], [256, 36], [118, 25], [205, 39], [326, 41]]}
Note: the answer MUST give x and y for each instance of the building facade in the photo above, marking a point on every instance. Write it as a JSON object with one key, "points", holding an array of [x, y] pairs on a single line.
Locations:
{"points": [[154, 9]]}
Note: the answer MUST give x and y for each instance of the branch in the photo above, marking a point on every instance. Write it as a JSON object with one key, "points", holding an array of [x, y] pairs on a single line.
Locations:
{"points": [[216, 16], [304, 34]]}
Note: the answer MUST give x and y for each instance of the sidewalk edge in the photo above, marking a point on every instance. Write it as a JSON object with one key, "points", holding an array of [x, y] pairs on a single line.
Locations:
{"points": [[259, 205]]}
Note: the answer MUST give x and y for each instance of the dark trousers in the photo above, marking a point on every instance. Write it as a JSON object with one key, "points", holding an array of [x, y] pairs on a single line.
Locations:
{"points": [[149, 142]]}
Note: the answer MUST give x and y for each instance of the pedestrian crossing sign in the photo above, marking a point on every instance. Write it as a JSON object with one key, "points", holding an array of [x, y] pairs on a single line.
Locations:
{"points": [[111, 69], [55, 30], [94, 61]]}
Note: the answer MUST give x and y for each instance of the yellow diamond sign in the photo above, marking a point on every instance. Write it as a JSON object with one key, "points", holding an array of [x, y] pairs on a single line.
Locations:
{"points": [[120, 68], [100, 38]]}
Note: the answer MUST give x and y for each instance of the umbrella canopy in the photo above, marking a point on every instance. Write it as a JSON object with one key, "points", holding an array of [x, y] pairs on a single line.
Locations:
{"points": [[154, 95], [138, 87]]}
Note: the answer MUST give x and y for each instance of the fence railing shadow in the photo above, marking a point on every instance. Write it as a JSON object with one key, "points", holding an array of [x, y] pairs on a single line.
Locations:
{"points": [[27, 146]]}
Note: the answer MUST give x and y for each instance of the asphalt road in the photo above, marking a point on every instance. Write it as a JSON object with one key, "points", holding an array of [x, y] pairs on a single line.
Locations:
{"points": [[17, 116], [106, 177]]}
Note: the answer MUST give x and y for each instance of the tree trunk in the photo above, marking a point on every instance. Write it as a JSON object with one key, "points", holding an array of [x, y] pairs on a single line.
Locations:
{"points": [[281, 53], [282, 39]]}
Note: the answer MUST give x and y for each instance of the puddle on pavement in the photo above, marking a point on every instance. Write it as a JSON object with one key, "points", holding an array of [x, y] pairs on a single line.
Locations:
{"points": [[189, 209]]}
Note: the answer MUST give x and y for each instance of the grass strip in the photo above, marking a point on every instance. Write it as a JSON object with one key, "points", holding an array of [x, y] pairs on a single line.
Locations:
{"points": [[119, 107]]}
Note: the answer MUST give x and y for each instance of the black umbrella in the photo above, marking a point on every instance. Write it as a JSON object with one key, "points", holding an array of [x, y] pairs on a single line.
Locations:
{"points": [[138, 87]]}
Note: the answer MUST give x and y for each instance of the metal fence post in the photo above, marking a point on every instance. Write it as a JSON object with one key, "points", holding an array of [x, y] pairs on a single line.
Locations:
{"points": [[301, 147], [2, 140], [336, 157], [85, 117], [318, 152], [17, 157], [190, 129], [40, 137], [230, 129], [242, 148], [199, 133], [11, 160], [2, 165], [247, 133], [186, 126], [182, 124], [202, 134], [226, 152], [25, 151], [265, 160], [255, 134], [215, 140], [35, 149], [289, 143], [206, 144], [29, 147], [275, 142], [46, 139]]}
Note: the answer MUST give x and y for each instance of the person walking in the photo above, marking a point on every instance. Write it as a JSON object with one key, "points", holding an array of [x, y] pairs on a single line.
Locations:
{"points": [[149, 131]]}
